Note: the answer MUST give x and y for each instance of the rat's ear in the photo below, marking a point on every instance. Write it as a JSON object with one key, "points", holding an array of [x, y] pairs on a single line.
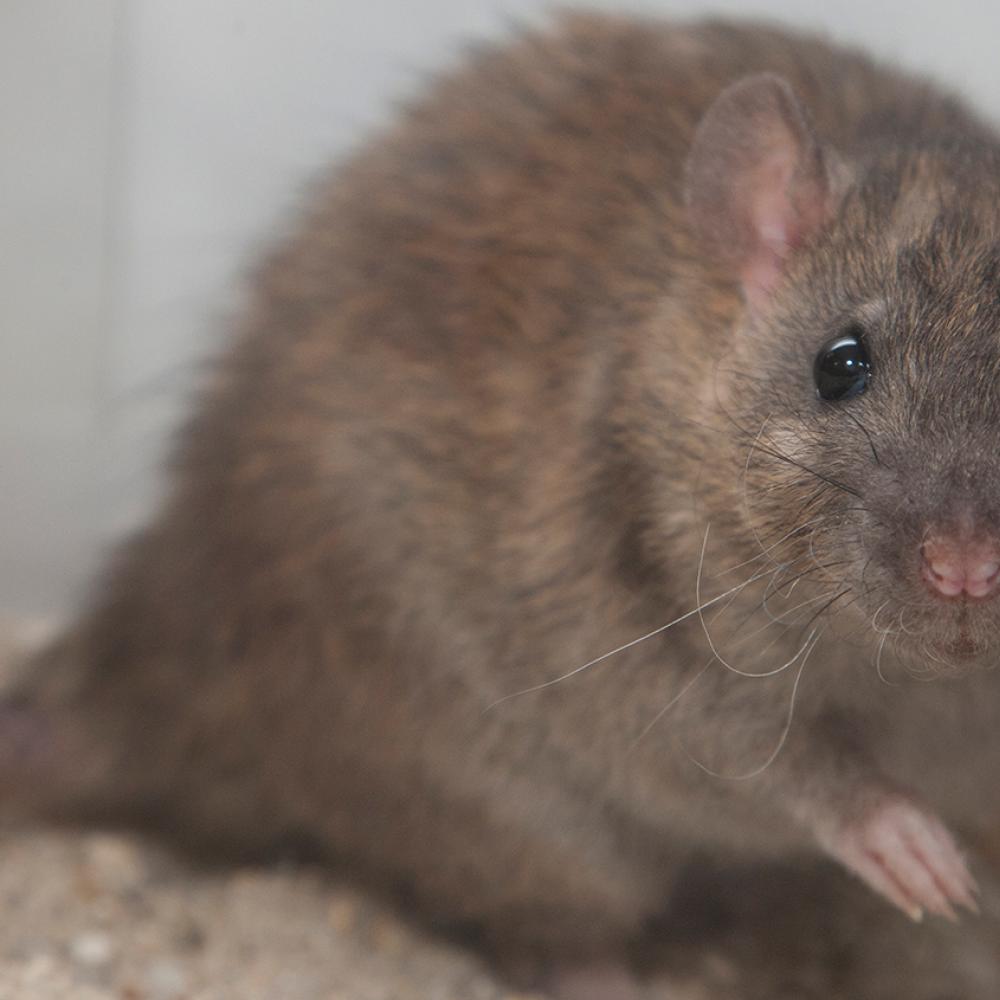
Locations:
{"points": [[758, 182]]}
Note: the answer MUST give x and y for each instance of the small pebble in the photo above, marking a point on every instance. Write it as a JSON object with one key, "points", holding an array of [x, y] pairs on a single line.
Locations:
{"points": [[343, 915], [187, 934], [115, 863], [388, 937], [92, 948]]}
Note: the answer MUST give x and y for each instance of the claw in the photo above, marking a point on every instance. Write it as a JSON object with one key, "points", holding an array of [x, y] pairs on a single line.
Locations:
{"points": [[906, 855]]}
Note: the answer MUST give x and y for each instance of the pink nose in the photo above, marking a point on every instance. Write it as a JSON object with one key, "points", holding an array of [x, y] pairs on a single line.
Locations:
{"points": [[954, 567]]}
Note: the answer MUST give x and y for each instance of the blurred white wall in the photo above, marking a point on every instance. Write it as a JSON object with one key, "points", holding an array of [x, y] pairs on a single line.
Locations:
{"points": [[147, 148]]}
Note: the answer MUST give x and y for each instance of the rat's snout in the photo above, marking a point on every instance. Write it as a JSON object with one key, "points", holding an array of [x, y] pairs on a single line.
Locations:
{"points": [[960, 564]]}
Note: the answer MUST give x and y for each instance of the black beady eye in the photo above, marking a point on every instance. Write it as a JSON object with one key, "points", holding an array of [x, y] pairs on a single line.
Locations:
{"points": [[842, 367]]}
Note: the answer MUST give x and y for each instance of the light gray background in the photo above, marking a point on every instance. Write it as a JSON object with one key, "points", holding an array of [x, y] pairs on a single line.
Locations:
{"points": [[148, 148]]}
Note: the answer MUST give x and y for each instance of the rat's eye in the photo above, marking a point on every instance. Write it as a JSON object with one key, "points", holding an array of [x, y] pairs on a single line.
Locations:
{"points": [[842, 367]]}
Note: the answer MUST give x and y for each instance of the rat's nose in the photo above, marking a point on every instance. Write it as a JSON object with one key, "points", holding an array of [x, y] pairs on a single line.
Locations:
{"points": [[954, 567]]}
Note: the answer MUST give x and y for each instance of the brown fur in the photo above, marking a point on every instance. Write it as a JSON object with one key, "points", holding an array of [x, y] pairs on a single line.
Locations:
{"points": [[485, 403]]}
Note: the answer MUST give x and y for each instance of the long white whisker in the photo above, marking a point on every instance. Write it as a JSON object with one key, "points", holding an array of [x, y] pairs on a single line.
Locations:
{"points": [[708, 635], [781, 619], [670, 704], [878, 660], [902, 624], [784, 734], [774, 573], [627, 645], [720, 611], [772, 546], [878, 611], [768, 646], [746, 476], [776, 670]]}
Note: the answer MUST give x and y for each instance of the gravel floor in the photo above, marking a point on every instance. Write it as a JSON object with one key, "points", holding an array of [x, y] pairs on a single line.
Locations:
{"points": [[98, 916]]}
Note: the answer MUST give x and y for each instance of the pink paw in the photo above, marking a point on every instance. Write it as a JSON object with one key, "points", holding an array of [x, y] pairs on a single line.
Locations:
{"points": [[908, 856]]}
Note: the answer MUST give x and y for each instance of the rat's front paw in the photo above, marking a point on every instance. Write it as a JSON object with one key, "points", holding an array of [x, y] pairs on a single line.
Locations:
{"points": [[907, 855]]}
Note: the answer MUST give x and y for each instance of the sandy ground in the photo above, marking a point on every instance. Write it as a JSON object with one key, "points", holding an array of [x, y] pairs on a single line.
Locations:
{"points": [[103, 917]]}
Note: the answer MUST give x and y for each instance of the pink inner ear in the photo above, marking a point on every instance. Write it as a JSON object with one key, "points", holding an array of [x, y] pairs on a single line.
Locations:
{"points": [[759, 184], [778, 227]]}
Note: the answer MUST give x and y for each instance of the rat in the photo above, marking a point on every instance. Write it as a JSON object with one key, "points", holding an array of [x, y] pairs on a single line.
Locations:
{"points": [[604, 473]]}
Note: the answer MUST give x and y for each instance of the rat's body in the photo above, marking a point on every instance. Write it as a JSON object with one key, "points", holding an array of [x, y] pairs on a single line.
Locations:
{"points": [[487, 417]]}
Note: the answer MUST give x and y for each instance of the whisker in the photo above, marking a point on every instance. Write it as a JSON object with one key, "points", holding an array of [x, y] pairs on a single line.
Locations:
{"points": [[878, 660], [725, 607], [826, 607], [670, 704], [902, 625], [775, 670], [878, 611], [779, 619], [708, 635], [864, 430], [778, 569], [928, 652], [772, 546], [753, 611], [818, 494], [784, 734], [772, 619], [819, 567], [774, 453], [628, 645], [746, 476], [781, 632]]}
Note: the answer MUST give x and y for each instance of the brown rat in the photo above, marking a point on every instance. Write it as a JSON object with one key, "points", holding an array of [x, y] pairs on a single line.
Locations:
{"points": [[621, 321]]}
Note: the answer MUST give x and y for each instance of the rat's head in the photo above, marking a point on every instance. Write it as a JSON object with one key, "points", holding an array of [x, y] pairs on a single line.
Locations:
{"points": [[865, 378]]}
